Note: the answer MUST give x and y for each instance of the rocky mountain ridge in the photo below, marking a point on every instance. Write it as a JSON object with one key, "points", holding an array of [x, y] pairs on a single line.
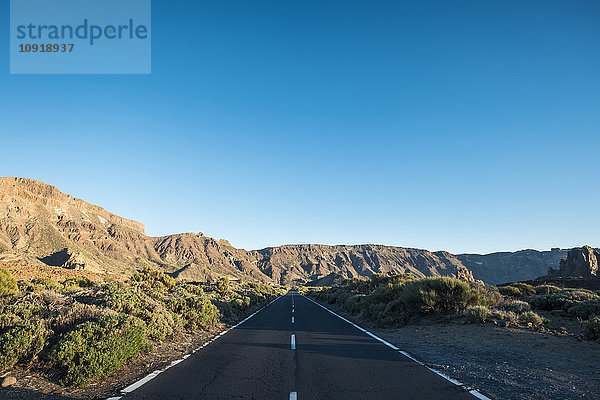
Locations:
{"points": [[41, 225]]}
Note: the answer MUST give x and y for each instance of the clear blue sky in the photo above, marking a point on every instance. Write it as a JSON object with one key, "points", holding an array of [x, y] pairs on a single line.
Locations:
{"points": [[468, 126]]}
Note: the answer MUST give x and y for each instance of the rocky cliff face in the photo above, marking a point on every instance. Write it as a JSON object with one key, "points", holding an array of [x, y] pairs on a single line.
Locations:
{"points": [[580, 262], [42, 225], [311, 262], [511, 266]]}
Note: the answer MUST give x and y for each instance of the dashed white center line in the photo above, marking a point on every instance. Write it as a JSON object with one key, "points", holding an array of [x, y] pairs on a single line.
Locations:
{"points": [[292, 320], [293, 396], [293, 342]]}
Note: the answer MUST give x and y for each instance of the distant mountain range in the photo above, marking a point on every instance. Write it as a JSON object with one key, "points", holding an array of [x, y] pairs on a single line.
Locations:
{"points": [[42, 226]]}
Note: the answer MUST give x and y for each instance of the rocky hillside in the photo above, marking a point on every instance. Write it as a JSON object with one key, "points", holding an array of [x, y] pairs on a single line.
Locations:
{"points": [[40, 225]]}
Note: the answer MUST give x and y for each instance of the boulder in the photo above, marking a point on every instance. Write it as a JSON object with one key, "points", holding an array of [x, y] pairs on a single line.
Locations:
{"points": [[9, 381]]}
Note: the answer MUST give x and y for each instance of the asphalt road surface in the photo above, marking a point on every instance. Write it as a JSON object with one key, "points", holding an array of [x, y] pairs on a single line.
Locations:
{"points": [[315, 355]]}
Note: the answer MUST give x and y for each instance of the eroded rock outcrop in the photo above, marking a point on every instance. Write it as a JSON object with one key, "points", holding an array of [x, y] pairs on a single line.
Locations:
{"points": [[580, 262]]}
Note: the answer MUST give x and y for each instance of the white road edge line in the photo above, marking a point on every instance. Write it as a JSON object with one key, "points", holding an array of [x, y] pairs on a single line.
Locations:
{"points": [[404, 353], [293, 342], [154, 374], [293, 396]]}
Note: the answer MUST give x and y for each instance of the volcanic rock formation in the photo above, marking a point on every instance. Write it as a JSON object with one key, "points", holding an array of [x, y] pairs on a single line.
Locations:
{"points": [[580, 262], [41, 225]]}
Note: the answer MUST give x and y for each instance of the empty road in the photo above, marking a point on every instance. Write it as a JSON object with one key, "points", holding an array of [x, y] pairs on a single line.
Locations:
{"points": [[295, 349]]}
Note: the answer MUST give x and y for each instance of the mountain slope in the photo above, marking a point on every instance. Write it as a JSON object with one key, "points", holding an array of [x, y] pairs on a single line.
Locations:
{"points": [[41, 225]]}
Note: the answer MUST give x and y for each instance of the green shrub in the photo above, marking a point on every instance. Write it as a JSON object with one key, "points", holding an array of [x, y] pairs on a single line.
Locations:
{"points": [[477, 314], [223, 286], [159, 320], [95, 349], [585, 309], [77, 313], [8, 285], [75, 283], [13, 314], [502, 315], [39, 284], [516, 306], [510, 291], [562, 300], [197, 312], [524, 288], [22, 342], [517, 289], [354, 303], [546, 289], [591, 330], [153, 278], [530, 318], [391, 305]]}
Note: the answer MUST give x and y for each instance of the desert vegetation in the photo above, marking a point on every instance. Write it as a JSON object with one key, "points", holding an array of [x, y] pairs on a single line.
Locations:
{"points": [[389, 301], [83, 330]]}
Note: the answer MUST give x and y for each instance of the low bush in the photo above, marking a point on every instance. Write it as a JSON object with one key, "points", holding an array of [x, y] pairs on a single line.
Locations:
{"points": [[517, 290], [8, 284], [510, 291], [17, 312], [562, 300], [223, 286], [76, 283], [516, 306], [22, 341], [530, 318], [197, 312], [354, 303], [77, 313], [546, 289], [477, 314], [159, 320], [585, 309], [153, 278], [591, 330], [95, 349], [525, 288], [502, 315], [392, 305]]}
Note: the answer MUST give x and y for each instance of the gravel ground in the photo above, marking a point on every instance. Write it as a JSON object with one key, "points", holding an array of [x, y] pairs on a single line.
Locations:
{"points": [[504, 363]]}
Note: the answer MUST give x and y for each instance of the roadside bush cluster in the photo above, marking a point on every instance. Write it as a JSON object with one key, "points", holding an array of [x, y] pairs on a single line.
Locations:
{"points": [[85, 330], [564, 299], [394, 300], [97, 348], [579, 303]]}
